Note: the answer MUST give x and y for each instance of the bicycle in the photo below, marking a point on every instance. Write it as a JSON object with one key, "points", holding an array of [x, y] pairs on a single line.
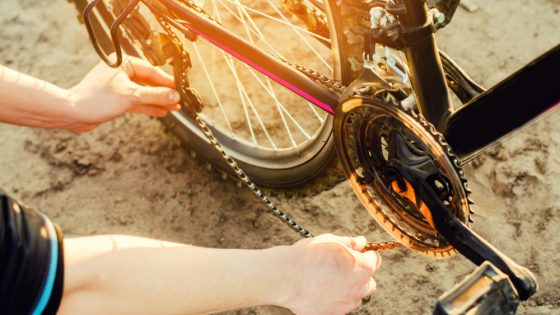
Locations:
{"points": [[393, 124]]}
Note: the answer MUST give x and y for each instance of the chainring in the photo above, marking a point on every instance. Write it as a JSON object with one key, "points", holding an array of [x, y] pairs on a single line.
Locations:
{"points": [[365, 130]]}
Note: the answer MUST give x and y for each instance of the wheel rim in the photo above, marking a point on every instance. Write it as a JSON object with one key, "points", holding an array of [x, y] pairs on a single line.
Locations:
{"points": [[255, 117]]}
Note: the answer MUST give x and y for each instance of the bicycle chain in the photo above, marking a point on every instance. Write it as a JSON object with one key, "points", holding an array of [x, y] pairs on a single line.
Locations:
{"points": [[331, 84], [186, 90]]}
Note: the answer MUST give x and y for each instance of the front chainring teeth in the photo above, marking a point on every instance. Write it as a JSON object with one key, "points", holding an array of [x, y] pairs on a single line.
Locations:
{"points": [[456, 163], [401, 228], [399, 216]]}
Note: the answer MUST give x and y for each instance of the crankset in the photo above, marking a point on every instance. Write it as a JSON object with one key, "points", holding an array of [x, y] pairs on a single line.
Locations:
{"points": [[408, 178], [373, 132], [373, 138]]}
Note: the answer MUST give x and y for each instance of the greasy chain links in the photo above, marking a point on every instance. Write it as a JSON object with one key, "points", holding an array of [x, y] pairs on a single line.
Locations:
{"points": [[186, 90]]}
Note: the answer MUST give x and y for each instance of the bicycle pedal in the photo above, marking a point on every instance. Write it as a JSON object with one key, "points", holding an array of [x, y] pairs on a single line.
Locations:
{"points": [[486, 291]]}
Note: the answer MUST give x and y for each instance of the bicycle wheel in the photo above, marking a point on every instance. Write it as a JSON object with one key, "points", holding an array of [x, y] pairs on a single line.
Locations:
{"points": [[278, 138]]}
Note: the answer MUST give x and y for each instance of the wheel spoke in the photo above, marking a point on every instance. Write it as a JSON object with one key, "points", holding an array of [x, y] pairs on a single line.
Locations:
{"points": [[245, 99], [288, 125], [268, 86], [242, 99], [254, 28], [263, 38], [272, 18], [279, 106], [298, 33], [316, 113], [282, 107], [213, 88]]}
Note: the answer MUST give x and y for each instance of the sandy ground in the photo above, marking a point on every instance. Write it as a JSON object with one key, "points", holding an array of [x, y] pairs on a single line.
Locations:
{"points": [[130, 176]]}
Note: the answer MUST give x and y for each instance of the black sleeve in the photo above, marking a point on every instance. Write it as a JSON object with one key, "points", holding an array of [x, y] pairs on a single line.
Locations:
{"points": [[31, 261]]}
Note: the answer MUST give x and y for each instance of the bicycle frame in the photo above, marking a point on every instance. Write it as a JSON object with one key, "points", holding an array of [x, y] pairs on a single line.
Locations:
{"points": [[507, 106], [477, 125], [486, 111]]}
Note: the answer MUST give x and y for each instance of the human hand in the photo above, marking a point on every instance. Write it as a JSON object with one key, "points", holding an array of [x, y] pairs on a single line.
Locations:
{"points": [[331, 276], [106, 93]]}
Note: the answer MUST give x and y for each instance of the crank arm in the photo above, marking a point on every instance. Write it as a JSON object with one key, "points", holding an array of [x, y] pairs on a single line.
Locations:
{"points": [[463, 239], [470, 244], [478, 250]]}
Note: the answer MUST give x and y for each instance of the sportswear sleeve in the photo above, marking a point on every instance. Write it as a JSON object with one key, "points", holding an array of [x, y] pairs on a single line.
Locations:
{"points": [[31, 260]]}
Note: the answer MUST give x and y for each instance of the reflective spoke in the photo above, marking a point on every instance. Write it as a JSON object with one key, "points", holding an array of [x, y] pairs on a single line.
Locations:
{"points": [[267, 114], [282, 21], [213, 87], [245, 97], [297, 32]]}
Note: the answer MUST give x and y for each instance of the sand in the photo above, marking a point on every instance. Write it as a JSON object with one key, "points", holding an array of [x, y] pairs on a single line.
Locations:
{"points": [[131, 176]]}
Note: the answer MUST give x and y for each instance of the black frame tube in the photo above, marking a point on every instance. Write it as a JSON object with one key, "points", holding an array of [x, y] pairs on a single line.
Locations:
{"points": [[268, 65], [426, 71], [507, 106]]}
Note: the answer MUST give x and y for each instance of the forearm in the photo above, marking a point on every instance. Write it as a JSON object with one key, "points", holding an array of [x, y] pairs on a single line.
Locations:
{"points": [[123, 275], [28, 101]]}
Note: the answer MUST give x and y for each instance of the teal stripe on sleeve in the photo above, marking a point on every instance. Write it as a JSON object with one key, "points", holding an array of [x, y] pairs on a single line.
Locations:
{"points": [[51, 275]]}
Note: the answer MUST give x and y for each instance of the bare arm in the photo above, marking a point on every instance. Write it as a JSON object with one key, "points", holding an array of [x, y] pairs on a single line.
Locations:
{"points": [[126, 275], [25, 100], [104, 94]]}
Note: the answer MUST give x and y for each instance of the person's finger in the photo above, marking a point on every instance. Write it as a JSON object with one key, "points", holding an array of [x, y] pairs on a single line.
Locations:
{"points": [[359, 242], [373, 259], [371, 287], [154, 111], [82, 128], [156, 96], [172, 108], [142, 71], [355, 243]]}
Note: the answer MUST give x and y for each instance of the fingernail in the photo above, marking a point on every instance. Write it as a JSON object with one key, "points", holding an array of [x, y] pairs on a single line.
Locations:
{"points": [[174, 96], [360, 241]]}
